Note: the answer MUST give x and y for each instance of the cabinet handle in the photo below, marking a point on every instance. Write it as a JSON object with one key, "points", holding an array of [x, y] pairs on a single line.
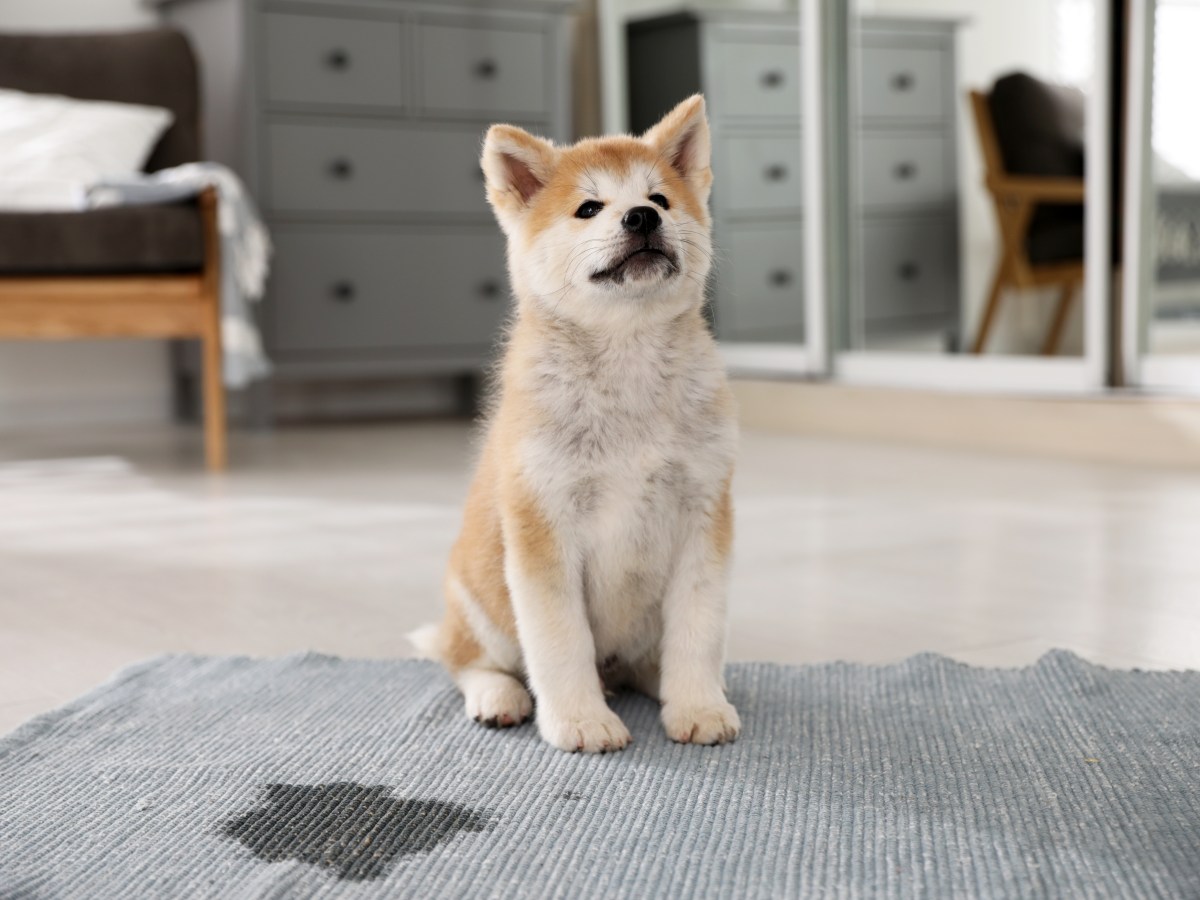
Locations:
{"points": [[906, 171], [903, 81], [909, 271], [343, 291], [487, 69], [338, 60], [780, 278], [341, 168], [489, 290], [775, 172], [772, 79]]}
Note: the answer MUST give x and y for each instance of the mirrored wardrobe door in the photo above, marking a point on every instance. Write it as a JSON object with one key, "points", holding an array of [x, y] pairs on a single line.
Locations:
{"points": [[972, 130], [746, 58]]}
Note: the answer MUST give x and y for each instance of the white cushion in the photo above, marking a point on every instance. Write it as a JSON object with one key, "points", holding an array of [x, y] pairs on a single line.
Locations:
{"points": [[53, 148]]}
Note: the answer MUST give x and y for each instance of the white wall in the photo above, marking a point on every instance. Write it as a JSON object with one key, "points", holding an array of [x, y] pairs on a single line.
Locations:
{"points": [[82, 382]]}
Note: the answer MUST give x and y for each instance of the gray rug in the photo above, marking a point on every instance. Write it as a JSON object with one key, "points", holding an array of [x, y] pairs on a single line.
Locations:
{"points": [[316, 777]]}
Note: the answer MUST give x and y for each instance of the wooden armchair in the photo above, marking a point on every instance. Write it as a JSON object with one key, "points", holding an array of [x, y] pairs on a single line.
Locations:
{"points": [[145, 271], [1018, 198]]}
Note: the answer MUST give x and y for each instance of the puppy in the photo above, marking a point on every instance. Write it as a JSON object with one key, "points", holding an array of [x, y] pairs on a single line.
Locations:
{"points": [[597, 531]]}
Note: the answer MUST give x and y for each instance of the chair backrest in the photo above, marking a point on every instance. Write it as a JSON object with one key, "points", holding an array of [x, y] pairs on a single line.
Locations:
{"points": [[993, 160], [155, 67], [1039, 126]]}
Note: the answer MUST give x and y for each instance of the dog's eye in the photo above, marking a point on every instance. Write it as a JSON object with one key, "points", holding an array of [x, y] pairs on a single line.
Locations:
{"points": [[588, 209], [660, 200]]}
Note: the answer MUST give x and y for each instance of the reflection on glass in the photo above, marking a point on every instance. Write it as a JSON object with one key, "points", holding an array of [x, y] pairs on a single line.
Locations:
{"points": [[967, 138], [1172, 317]]}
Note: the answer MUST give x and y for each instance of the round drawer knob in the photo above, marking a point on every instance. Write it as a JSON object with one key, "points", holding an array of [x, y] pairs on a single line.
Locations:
{"points": [[775, 172], [909, 271], [903, 81], [341, 168], [338, 60], [772, 79], [780, 278], [489, 290], [343, 291], [487, 69], [906, 171]]}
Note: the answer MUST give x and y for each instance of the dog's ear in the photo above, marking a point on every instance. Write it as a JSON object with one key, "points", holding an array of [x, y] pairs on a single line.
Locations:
{"points": [[517, 166], [683, 141]]}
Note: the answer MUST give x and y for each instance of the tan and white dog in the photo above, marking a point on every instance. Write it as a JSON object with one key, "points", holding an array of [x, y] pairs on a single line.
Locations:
{"points": [[597, 531]]}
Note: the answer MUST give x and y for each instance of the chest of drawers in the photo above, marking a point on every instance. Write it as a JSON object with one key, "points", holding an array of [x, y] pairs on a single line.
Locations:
{"points": [[358, 126], [905, 219]]}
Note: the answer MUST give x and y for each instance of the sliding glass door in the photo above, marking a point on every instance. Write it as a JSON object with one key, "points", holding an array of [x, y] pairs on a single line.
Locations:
{"points": [[908, 192], [1161, 287]]}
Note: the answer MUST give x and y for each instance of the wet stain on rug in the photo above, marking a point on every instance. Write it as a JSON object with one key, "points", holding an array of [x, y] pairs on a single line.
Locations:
{"points": [[354, 830]]}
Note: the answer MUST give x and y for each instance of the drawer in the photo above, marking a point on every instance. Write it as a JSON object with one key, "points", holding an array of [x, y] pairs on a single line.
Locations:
{"points": [[758, 173], [347, 290], [755, 80], [466, 69], [374, 168], [319, 59], [909, 268], [903, 170], [905, 82], [762, 284]]}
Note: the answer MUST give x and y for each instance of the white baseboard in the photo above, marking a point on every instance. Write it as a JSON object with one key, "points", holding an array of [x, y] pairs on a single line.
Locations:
{"points": [[1125, 428]]}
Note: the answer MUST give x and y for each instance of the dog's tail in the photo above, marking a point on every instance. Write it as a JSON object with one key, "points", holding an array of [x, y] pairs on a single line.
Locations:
{"points": [[427, 641]]}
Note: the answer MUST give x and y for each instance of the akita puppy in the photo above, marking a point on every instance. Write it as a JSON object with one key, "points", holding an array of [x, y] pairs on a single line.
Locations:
{"points": [[597, 531]]}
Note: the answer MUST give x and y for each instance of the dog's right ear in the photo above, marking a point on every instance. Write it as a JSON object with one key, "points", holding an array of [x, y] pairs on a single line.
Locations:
{"points": [[517, 166]]}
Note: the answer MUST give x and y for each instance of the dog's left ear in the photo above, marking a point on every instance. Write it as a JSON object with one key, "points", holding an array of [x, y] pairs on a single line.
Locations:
{"points": [[683, 140]]}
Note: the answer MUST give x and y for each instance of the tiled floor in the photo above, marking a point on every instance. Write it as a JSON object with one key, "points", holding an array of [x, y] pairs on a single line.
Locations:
{"points": [[115, 547]]}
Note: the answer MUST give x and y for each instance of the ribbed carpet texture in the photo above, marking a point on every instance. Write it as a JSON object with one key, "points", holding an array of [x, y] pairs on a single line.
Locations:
{"points": [[310, 776]]}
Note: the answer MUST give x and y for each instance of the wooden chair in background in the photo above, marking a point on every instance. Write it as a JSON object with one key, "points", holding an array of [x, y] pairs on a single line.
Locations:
{"points": [[1016, 199]]}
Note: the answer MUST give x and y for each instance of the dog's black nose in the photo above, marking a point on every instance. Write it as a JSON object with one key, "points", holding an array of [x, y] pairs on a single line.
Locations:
{"points": [[641, 220]]}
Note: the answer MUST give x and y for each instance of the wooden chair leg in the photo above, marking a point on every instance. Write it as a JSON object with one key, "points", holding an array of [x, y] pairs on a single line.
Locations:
{"points": [[1058, 323], [215, 444], [215, 441], [989, 311]]}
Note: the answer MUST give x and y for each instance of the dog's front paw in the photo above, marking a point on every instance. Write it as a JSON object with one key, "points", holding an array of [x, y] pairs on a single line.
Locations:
{"points": [[710, 723], [601, 731]]}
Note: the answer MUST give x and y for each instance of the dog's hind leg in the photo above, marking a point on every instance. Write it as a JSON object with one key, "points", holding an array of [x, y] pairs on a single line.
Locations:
{"points": [[484, 662], [493, 698]]}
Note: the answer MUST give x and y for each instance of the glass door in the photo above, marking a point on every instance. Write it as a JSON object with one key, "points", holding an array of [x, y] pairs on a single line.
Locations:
{"points": [[1161, 287]]}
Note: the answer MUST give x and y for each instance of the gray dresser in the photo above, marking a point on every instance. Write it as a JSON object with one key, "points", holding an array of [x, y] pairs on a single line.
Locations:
{"points": [[747, 63], [358, 127]]}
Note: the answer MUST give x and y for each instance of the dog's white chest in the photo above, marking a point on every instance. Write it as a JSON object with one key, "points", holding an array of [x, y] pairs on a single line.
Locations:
{"points": [[628, 540], [635, 453]]}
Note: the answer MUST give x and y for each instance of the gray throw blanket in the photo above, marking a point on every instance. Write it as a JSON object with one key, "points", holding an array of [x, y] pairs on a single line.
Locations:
{"points": [[245, 250]]}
